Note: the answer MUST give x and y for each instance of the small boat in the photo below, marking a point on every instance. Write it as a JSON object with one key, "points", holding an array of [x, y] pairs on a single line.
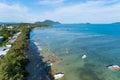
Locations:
{"points": [[114, 67], [49, 64], [36, 43], [84, 56], [39, 48], [58, 75]]}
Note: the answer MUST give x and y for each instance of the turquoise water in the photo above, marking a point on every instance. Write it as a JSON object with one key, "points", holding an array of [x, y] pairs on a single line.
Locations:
{"points": [[100, 42]]}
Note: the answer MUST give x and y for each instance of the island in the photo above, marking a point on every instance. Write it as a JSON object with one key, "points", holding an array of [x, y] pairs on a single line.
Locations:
{"points": [[49, 22]]}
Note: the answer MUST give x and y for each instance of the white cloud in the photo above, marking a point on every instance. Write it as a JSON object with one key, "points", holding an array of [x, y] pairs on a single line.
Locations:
{"points": [[6, 8], [50, 2], [15, 13], [91, 11]]}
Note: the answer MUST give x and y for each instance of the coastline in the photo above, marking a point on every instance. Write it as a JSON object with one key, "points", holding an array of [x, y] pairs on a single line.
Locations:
{"points": [[70, 47], [37, 67], [42, 63], [13, 64]]}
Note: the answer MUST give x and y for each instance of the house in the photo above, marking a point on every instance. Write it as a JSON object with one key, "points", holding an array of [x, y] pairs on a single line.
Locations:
{"points": [[9, 27], [1, 38]]}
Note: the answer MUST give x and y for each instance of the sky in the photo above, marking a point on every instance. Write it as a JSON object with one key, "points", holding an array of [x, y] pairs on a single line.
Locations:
{"points": [[64, 11]]}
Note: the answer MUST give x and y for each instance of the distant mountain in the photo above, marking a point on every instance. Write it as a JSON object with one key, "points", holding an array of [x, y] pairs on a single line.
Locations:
{"points": [[50, 22], [116, 23], [7, 23], [84, 23]]}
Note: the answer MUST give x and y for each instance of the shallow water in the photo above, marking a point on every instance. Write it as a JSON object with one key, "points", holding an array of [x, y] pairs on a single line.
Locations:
{"points": [[101, 44]]}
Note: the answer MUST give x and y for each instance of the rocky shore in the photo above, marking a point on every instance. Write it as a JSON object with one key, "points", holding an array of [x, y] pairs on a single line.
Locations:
{"points": [[37, 68]]}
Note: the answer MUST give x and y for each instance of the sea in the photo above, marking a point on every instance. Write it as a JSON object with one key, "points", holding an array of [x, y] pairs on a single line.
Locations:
{"points": [[69, 42]]}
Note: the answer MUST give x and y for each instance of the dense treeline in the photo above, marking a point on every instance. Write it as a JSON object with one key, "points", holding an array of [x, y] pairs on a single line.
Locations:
{"points": [[20, 25], [12, 66], [6, 33]]}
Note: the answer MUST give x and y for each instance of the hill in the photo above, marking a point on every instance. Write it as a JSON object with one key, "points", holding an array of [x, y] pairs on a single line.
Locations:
{"points": [[116, 23], [7, 22], [50, 22]]}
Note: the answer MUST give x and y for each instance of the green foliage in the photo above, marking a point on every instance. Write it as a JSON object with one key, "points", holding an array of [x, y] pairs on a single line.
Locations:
{"points": [[6, 33], [49, 22], [30, 25], [12, 66]]}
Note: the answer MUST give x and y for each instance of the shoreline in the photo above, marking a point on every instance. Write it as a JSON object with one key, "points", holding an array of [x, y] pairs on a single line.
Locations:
{"points": [[37, 67], [14, 63], [43, 63]]}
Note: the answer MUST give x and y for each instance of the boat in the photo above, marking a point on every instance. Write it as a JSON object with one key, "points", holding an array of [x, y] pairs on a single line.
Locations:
{"points": [[36, 43], [58, 75], [114, 67], [39, 48], [84, 56], [49, 64]]}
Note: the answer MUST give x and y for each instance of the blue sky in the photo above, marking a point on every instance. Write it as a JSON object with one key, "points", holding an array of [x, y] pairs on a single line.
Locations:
{"points": [[65, 11]]}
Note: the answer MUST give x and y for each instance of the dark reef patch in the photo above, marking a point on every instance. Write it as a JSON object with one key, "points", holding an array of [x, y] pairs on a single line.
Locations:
{"points": [[88, 73]]}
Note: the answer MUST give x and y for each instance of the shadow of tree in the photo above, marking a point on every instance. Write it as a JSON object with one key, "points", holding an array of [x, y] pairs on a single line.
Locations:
{"points": [[37, 68]]}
